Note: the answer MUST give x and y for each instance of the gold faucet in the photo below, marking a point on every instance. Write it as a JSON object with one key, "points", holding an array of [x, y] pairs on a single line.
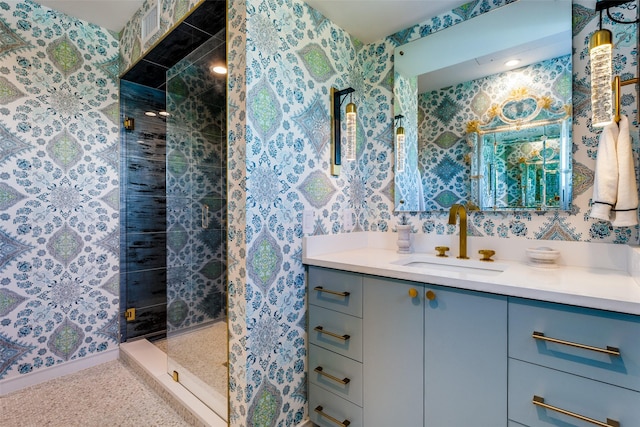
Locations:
{"points": [[459, 210]]}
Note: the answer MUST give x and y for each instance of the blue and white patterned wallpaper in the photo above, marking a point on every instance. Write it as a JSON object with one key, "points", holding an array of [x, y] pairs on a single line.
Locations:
{"points": [[59, 190], [283, 59]]}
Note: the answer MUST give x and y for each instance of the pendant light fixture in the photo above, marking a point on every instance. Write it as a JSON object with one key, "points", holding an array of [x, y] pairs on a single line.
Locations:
{"points": [[601, 55], [600, 51]]}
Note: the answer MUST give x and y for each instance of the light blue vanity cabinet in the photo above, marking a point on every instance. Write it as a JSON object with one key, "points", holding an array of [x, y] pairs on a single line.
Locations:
{"points": [[393, 334], [401, 353], [465, 358], [394, 357], [433, 356], [572, 359]]}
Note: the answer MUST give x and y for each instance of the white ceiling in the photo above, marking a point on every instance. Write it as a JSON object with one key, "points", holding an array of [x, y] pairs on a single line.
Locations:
{"points": [[109, 14], [372, 20], [367, 20]]}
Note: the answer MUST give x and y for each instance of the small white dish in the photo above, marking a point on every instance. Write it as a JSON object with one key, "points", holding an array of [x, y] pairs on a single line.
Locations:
{"points": [[543, 257]]}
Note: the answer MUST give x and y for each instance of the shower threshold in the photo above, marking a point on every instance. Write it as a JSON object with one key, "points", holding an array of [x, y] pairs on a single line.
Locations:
{"points": [[151, 363]]}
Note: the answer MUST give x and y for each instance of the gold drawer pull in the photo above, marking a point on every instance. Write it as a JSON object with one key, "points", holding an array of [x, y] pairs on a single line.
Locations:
{"points": [[539, 401], [344, 423], [321, 371], [609, 350], [331, 334], [340, 294]]}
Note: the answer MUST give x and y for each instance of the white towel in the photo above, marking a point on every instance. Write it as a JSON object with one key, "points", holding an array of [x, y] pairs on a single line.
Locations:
{"points": [[626, 206], [605, 186]]}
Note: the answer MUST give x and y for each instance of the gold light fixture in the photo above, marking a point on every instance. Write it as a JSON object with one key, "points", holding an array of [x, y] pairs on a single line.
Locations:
{"points": [[604, 109], [336, 125], [600, 52], [400, 145]]}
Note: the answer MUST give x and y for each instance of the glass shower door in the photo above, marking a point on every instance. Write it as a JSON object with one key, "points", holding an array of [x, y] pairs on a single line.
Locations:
{"points": [[196, 225]]}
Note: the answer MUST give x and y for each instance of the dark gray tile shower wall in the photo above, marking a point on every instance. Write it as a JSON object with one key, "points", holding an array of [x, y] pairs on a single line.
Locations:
{"points": [[143, 236]]}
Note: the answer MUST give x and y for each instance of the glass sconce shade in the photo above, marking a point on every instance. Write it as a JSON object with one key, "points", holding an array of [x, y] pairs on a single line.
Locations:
{"points": [[600, 52], [350, 147], [400, 150]]}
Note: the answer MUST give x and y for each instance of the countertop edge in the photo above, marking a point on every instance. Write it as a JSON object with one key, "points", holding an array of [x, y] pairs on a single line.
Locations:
{"points": [[499, 287]]}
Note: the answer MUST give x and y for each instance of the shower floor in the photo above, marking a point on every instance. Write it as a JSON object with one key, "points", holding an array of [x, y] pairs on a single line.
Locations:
{"points": [[201, 355]]}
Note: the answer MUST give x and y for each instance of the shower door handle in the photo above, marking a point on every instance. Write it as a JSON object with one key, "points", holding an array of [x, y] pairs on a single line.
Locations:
{"points": [[205, 216]]}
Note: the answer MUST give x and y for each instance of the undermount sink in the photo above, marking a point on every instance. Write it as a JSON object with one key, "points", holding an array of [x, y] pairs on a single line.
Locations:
{"points": [[450, 264]]}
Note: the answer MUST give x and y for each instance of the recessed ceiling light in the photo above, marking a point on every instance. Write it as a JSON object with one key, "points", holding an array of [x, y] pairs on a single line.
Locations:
{"points": [[164, 114], [219, 69], [150, 114], [512, 62]]}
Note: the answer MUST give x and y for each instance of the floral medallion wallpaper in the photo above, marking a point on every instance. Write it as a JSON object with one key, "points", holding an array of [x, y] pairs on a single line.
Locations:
{"points": [[59, 189]]}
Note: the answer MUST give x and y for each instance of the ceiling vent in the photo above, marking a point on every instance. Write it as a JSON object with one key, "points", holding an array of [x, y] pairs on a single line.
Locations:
{"points": [[150, 23]]}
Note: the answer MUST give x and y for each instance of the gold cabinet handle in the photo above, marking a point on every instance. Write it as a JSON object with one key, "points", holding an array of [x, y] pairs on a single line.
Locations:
{"points": [[321, 371], [344, 423], [331, 334], [609, 350], [413, 292], [430, 295], [329, 291], [539, 401]]}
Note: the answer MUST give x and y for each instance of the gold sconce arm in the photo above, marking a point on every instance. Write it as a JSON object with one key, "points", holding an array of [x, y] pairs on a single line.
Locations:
{"points": [[617, 83]]}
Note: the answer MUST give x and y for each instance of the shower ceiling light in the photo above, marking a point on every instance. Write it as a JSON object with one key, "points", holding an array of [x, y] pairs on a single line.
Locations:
{"points": [[219, 69]]}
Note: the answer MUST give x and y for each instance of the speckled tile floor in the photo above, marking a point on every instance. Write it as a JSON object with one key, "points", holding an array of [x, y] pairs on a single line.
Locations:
{"points": [[104, 395]]}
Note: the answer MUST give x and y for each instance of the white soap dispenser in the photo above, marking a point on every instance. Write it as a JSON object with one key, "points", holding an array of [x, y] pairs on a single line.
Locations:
{"points": [[404, 236]]}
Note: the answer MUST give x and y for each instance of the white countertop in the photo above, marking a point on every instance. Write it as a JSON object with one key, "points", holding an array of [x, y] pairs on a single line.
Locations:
{"points": [[600, 288]]}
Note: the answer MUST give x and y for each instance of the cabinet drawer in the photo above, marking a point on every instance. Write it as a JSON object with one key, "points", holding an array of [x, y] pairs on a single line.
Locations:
{"points": [[337, 290], [588, 398], [340, 410], [335, 331], [338, 374], [574, 325]]}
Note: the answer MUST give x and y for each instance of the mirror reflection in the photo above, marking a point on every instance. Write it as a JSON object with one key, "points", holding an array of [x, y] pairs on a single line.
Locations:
{"points": [[520, 157], [478, 133]]}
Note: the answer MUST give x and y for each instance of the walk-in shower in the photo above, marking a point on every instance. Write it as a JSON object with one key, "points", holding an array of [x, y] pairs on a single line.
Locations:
{"points": [[173, 203]]}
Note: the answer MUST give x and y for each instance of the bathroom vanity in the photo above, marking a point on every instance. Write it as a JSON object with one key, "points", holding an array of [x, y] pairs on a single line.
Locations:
{"points": [[397, 342]]}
